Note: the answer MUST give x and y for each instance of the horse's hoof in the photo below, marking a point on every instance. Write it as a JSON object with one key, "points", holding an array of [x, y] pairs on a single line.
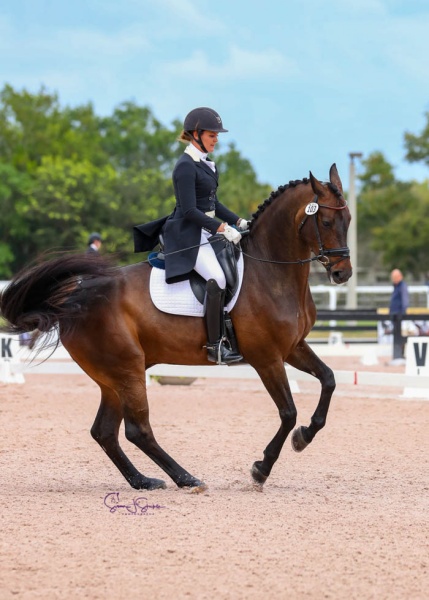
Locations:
{"points": [[156, 484], [194, 483], [199, 489], [298, 442], [148, 483], [258, 477]]}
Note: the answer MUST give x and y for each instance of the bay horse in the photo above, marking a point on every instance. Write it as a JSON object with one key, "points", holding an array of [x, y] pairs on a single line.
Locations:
{"points": [[106, 320]]}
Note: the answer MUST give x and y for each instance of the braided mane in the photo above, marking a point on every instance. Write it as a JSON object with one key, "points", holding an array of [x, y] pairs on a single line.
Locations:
{"points": [[282, 188]]}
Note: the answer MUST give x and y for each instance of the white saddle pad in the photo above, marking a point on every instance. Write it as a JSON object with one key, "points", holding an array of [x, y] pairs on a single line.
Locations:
{"points": [[178, 298]]}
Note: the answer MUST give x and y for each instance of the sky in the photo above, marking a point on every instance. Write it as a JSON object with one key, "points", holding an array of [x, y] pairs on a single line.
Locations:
{"points": [[299, 85]]}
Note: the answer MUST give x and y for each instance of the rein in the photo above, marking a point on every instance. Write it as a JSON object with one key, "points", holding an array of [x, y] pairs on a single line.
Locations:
{"points": [[322, 257]]}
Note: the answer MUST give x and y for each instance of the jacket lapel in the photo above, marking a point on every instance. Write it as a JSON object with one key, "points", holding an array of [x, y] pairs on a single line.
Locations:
{"points": [[205, 167]]}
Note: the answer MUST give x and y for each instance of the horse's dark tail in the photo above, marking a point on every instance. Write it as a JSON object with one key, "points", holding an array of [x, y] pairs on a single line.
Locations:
{"points": [[50, 294]]}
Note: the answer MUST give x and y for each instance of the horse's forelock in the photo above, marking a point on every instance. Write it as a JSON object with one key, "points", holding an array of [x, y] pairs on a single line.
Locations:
{"points": [[336, 191]]}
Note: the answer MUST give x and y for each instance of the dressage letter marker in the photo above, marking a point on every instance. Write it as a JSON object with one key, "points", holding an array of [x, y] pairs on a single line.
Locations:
{"points": [[9, 347], [417, 356], [417, 364], [420, 358]]}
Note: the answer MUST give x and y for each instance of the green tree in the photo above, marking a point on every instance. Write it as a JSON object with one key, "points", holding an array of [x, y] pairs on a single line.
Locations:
{"points": [[417, 146], [145, 195], [30, 127], [15, 190], [404, 241], [69, 199], [392, 218], [134, 139], [239, 188], [378, 173]]}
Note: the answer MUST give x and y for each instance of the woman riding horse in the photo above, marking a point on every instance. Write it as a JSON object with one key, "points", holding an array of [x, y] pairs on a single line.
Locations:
{"points": [[187, 231], [112, 329]]}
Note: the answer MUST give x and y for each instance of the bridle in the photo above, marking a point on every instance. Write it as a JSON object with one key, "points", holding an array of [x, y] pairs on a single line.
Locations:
{"points": [[324, 253]]}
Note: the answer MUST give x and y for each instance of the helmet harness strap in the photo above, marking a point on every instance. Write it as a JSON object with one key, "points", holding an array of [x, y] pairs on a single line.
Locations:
{"points": [[199, 140]]}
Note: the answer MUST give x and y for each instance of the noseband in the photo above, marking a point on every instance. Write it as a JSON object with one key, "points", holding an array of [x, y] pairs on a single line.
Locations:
{"points": [[311, 210]]}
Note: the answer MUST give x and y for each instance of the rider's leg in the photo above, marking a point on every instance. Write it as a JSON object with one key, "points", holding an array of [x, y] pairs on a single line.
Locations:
{"points": [[217, 351], [207, 264], [208, 267]]}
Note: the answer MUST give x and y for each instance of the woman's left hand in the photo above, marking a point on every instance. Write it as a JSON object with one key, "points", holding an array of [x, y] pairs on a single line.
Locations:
{"points": [[242, 224], [232, 234]]}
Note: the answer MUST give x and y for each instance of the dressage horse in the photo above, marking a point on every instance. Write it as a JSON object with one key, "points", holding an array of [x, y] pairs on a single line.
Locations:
{"points": [[109, 325]]}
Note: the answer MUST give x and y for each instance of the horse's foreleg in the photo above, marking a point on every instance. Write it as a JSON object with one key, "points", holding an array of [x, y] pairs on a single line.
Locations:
{"points": [[304, 359], [275, 380], [105, 431]]}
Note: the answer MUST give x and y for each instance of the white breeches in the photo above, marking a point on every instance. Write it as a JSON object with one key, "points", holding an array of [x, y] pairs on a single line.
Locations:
{"points": [[207, 264]]}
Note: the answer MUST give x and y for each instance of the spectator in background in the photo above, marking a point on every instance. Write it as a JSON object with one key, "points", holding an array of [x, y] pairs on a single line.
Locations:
{"points": [[399, 303], [94, 243]]}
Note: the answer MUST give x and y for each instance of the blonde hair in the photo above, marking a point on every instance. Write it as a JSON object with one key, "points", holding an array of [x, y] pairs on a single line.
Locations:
{"points": [[185, 137]]}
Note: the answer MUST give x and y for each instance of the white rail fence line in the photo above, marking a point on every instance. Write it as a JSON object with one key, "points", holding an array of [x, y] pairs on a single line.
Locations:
{"points": [[409, 383], [16, 362], [236, 372], [412, 386]]}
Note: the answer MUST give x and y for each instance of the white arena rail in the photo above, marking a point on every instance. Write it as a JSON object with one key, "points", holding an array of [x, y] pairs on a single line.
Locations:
{"points": [[61, 364]]}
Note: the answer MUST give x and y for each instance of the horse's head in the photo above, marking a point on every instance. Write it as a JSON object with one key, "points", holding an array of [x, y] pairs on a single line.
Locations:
{"points": [[301, 218], [325, 224]]}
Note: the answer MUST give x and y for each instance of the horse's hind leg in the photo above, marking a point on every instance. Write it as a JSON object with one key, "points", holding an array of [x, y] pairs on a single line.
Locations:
{"points": [[304, 359], [139, 432], [105, 431]]}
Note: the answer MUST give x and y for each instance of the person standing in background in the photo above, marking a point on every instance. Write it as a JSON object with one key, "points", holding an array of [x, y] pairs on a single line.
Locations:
{"points": [[399, 302], [94, 243]]}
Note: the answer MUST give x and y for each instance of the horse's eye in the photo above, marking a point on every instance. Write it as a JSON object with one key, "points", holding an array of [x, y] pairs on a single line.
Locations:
{"points": [[326, 223]]}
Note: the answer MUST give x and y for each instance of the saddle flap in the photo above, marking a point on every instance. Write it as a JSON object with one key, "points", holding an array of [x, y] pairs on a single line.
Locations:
{"points": [[227, 254]]}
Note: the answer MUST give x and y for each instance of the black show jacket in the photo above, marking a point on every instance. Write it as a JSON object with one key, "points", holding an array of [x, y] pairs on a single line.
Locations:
{"points": [[195, 185]]}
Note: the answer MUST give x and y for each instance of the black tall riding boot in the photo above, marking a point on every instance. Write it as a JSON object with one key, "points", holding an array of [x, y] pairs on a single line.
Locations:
{"points": [[217, 351]]}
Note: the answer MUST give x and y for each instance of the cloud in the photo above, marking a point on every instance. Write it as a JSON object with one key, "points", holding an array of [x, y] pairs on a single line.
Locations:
{"points": [[195, 19], [83, 44], [169, 19], [239, 65], [407, 47]]}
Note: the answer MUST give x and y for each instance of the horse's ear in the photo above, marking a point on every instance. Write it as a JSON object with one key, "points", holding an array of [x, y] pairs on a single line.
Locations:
{"points": [[317, 186], [334, 178]]}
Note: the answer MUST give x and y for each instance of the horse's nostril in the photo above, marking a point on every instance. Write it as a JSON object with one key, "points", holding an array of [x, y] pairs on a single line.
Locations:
{"points": [[341, 276]]}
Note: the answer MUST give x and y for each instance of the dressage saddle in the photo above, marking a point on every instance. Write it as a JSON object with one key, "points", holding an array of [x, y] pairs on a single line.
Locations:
{"points": [[227, 254]]}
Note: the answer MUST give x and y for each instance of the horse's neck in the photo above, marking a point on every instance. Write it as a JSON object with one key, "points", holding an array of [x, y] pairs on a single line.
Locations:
{"points": [[274, 272], [276, 240], [276, 233]]}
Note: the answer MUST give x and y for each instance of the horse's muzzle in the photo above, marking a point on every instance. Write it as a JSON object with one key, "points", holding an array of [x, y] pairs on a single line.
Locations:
{"points": [[338, 274]]}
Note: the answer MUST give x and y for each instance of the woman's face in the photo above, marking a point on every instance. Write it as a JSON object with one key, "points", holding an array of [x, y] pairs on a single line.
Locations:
{"points": [[209, 139]]}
